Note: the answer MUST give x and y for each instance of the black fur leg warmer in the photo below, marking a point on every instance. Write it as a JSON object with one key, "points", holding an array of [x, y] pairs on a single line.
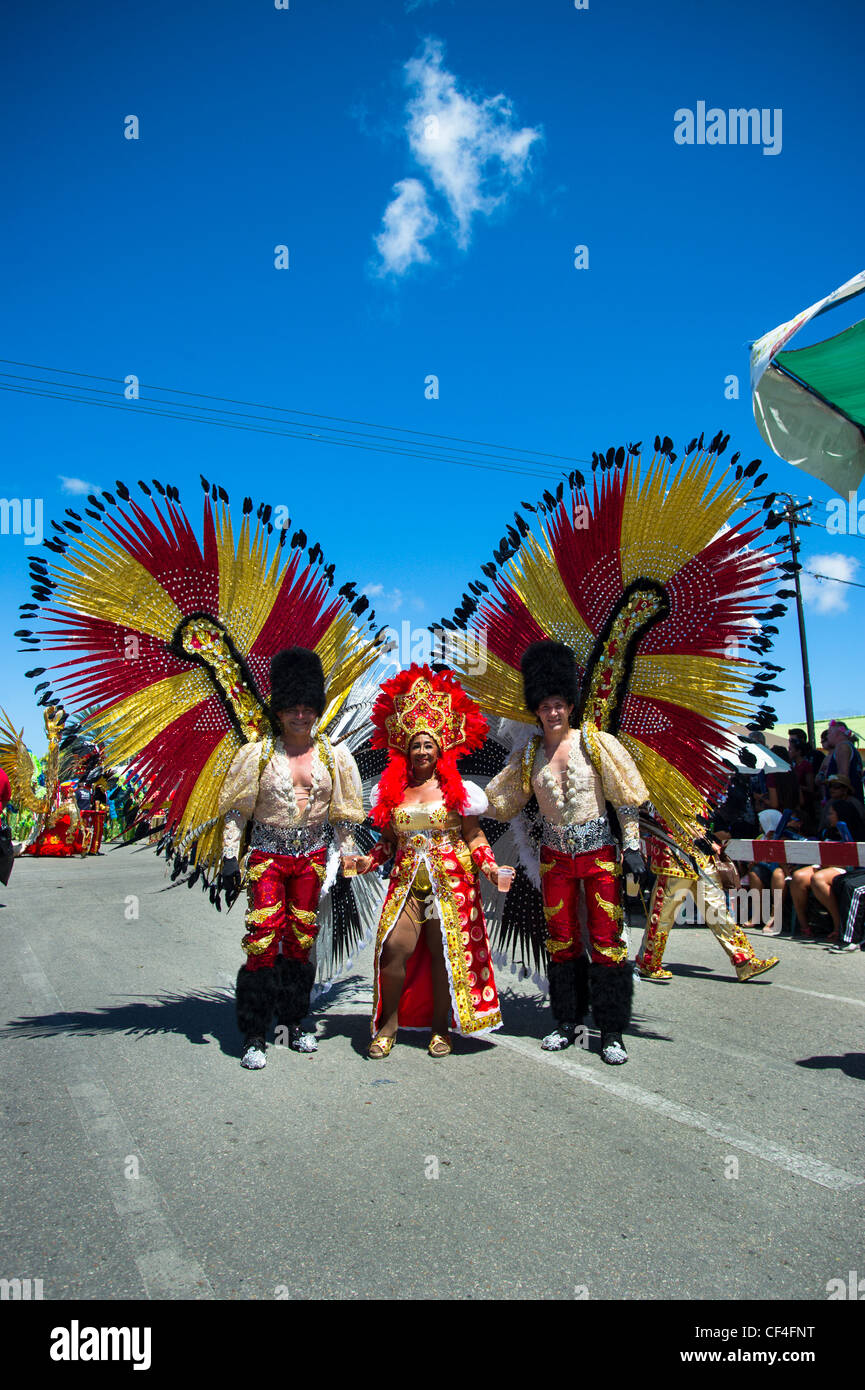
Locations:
{"points": [[612, 987], [581, 978], [294, 981], [255, 997], [562, 975]]}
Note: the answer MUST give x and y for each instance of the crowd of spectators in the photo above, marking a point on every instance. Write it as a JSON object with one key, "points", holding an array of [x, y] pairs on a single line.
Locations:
{"points": [[816, 795]]}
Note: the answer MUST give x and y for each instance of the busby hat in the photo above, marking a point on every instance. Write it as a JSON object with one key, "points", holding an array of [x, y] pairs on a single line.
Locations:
{"points": [[297, 678], [549, 668]]}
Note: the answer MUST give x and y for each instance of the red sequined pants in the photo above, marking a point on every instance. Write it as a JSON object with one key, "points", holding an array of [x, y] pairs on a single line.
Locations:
{"points": [[283, 891], [561, 876]]}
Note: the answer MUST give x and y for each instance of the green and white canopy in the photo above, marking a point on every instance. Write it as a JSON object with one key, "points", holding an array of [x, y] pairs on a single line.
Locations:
{"points": [[809, 403]]}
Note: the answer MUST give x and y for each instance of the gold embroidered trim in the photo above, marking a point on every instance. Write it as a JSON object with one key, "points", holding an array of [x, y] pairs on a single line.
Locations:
{"points": [[205, 639], [528, 762], [553, 946], [260, 914], [614, 953], [325, 752], [613, 911], [608, 674], [407, 865], [257, 948], [551, 911], [305, 915], [611, 867], [255, 871]]}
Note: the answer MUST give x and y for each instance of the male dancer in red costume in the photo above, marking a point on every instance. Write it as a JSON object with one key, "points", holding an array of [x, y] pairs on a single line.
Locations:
{"points": [[573, 773], [291, 786]]}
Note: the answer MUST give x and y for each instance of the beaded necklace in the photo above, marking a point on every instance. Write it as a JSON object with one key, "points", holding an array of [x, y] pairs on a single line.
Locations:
{"points": [[562, 797]]}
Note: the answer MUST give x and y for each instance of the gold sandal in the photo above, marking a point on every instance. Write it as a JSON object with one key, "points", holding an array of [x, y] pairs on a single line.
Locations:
{"points": [[439, 1046], [380, 1047]]}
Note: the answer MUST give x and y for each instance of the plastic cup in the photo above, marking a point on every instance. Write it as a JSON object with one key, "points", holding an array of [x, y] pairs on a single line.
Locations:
{"points": [[505, 879]]}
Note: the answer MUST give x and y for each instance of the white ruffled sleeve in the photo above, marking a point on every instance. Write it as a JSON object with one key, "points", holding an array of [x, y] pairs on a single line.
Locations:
{"points": [[478, 805]]}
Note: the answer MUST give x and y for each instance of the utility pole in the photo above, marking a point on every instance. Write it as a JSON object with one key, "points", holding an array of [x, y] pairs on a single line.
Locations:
{"points": [[790, 514]]}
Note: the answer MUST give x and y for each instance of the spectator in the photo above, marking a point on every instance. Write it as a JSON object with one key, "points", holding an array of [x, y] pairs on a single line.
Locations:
{"points": [[782, 787], [844, 759], [737, 810], [849, 811], [847, 888], [775, 825], [803, 769], [842, 819]]}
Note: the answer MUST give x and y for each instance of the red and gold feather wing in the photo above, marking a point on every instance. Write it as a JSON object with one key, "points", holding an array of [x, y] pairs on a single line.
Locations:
{"points": [[169, 637], [661, 594]]}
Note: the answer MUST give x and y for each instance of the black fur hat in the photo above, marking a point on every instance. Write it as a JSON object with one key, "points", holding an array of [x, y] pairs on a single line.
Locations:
{"points": [[297, 678], [549, 668]]}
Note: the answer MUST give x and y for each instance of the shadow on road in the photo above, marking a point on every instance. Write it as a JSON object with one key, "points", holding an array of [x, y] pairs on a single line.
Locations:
{"points": [[705, 972], [852, 1064], [203, 1017]]}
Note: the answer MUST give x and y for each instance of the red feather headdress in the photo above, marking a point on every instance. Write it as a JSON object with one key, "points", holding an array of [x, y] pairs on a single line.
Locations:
{"points": [[420, 701]]}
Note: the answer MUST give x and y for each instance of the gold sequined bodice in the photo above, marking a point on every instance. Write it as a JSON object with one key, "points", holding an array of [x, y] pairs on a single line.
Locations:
{"points": [[424, 826], [424, 816]]}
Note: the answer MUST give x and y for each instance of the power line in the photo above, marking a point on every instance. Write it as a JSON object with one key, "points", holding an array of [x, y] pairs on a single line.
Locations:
{"points": [[399, 433], [834, 579], [854, 535], [381, 447]]}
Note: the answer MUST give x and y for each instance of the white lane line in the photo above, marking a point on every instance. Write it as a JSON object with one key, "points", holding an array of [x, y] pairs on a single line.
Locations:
{"points": [[815, 994], [803, 1165], [167, 1270]]}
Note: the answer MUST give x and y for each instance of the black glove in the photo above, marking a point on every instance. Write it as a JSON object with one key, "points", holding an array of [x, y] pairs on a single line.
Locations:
{"points": [[634, 864], [230, 877]]}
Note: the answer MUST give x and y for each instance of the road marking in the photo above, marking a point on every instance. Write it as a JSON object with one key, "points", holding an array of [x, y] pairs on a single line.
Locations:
{"points": [[815, 994], [804, 1165], [167, 1270]]}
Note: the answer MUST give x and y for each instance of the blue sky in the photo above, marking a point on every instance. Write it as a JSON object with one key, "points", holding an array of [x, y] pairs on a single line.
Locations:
{"points": [[309, 128]]}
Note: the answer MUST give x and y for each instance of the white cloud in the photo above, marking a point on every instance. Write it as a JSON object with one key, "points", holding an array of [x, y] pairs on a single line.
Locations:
{"points": [[392, 600], [77, 486], [408, 221], [471, 149], [824, 595], [384, 600], [411, 5]]}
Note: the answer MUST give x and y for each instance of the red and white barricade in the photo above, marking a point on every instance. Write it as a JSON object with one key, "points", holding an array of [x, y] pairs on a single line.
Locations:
{"points": [[794, 853]]}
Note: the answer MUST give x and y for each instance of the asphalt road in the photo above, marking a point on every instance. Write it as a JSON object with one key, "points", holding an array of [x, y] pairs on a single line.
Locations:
{"points": [[139, 1160]]}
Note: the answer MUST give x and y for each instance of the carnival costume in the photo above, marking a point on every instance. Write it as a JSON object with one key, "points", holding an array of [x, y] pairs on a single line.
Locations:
{"points": [[169, 642], [578, 847], [678, 877], [287, 863], [656, 589], [58, 832], [434, 876]]}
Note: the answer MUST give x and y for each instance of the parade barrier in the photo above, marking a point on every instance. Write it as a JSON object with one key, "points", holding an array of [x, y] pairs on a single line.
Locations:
{"points": [[795, 853]]}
